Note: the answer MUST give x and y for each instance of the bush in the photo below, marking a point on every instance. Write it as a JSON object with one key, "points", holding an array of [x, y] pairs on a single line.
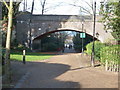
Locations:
{"points": [[20, 47], [110, 53], [98, 47], [49, 47], [78, 48]]}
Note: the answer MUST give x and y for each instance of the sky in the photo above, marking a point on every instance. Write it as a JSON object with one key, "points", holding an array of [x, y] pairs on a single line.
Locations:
{"points": [[61, 7]]}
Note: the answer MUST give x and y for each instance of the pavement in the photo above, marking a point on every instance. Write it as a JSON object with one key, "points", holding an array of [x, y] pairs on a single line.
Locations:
{"points": [[69, 70], [67, 50]]}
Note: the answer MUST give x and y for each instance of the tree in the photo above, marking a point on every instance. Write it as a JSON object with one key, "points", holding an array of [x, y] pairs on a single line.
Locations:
{"points": [[9, 30], [43, 3], [54, 41], [78, 41], [5, 10], [88, 9], [10, 9], [111, 18], [44, 7], [5, 19]]}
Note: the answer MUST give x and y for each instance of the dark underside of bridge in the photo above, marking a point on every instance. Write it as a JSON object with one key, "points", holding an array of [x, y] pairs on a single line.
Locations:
{"points": [[46, 34]]}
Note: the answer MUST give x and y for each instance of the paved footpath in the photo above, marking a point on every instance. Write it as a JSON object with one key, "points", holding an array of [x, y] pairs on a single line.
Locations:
{"points": [[69, 70], [67, 50]]}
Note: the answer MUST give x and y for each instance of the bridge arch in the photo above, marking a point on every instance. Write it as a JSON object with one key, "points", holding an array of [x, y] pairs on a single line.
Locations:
{"points": [[64, 29], [37, 40]]}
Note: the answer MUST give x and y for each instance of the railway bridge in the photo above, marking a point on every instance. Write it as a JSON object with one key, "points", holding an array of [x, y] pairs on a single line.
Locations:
{"points": [[44, 24]]}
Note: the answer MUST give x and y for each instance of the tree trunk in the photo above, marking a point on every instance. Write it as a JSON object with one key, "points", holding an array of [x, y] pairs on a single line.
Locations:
{"points": [[43, 6], [8, 39]]}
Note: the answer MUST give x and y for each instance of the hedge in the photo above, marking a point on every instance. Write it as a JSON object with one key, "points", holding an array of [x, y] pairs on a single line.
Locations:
{"points": [[110, 53], [98, 46]]}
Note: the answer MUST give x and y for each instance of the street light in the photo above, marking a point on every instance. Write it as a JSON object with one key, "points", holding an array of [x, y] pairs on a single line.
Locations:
{"points": [[30, 29], [93, 46], [82, 34]]}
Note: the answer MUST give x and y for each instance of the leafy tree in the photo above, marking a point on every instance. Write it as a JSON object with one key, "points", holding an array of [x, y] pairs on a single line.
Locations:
{"points": [[111, 18], [54, 41], [49, 43], [78, 41]]}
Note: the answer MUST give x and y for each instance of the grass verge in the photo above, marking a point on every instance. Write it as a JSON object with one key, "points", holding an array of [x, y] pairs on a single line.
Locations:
{"points": [[30, 56]]}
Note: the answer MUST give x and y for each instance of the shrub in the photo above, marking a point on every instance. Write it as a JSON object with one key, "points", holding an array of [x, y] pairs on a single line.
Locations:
{"points": [[98, 46], [110, 53], [78, 48], [20, 47], [49, 47]]}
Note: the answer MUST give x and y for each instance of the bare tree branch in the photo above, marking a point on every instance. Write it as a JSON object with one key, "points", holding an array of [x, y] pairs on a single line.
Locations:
{"points": [[52, 7], [43, 6], [91, 6], [44, 3], [6, 4], [81, 7]]}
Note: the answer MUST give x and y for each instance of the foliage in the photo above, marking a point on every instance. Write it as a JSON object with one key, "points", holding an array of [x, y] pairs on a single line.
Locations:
{"points": [[110, 53], [29, 56], [5, 15], [111, 18], [20, 48], [5, 21], [50, 47], [98, 46], [78, 48], [78, 41], [5, 10], [53, 41]]}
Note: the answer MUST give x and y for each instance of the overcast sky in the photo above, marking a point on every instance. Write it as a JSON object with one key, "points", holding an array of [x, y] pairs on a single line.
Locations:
{"points": [[61, 7]]}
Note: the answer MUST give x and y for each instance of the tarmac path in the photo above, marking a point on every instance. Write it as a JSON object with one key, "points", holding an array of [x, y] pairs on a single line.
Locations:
{"points": [[68, 70]]}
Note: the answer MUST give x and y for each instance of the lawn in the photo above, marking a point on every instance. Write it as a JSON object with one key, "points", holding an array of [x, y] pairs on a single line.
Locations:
{"points": [[30, 56]]}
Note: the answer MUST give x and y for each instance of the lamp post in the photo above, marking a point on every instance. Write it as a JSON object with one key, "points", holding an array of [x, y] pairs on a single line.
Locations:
{"points": [[82, 37], [93, 46], [30, 34]]}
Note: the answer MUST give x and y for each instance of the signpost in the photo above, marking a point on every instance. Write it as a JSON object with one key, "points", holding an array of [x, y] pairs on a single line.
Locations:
{"points": [[82, 35]]}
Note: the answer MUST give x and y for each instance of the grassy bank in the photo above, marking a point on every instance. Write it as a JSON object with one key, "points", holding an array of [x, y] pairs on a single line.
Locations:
{"points": [[30, 56]]}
